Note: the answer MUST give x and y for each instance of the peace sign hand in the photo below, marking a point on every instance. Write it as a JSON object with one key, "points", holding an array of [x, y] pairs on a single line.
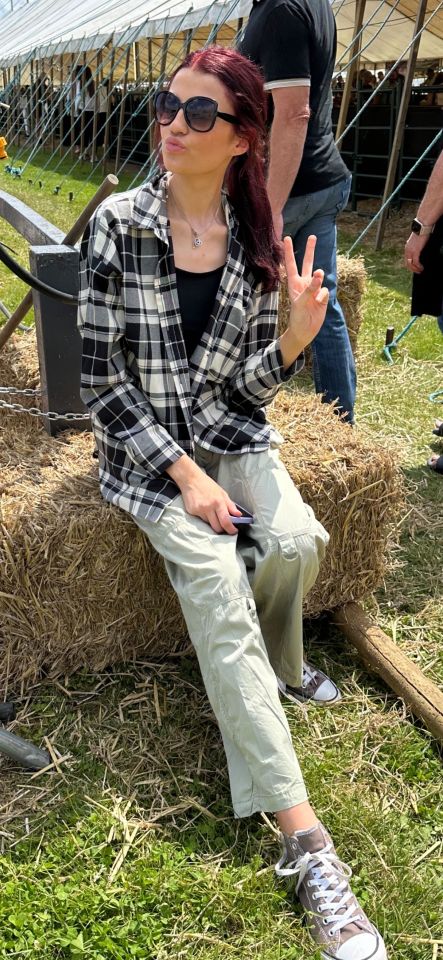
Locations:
{"points": [[309, 299]]}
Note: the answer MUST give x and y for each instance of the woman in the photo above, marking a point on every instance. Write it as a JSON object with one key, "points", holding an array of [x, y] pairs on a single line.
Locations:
{"points": [[178, 316]]}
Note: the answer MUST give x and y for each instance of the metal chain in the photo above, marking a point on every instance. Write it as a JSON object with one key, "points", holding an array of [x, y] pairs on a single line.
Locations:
{"points": [[35, 412], [28, 392]]}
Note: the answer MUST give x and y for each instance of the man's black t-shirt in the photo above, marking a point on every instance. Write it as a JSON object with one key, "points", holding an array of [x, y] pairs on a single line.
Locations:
{"points": [[294, 42]]}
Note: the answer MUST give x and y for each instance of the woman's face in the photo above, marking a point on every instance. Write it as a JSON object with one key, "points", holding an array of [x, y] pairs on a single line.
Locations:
{"points": [[187, 152]]}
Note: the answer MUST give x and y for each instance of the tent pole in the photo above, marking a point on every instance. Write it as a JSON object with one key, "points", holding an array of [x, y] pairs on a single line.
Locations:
{"points": [[108, 109], [352, 68], [121, 118], [401, 120]]}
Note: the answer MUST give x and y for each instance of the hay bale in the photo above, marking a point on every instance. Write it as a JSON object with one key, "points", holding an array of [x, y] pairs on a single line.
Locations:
{"points": [[351, 280], [19, 361], [19, 368], [80, 584]]}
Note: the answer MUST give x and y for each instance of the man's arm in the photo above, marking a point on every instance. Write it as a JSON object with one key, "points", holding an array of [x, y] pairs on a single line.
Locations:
{"points": [[288, 135], [431, 207], [429, 211]]}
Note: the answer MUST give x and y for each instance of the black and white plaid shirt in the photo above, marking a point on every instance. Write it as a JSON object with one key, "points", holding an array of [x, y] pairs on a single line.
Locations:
{"points": [[149, 405]]}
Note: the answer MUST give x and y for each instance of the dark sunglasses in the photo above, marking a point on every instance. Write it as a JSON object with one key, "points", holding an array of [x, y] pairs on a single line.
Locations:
{"points": [[200, 113]]}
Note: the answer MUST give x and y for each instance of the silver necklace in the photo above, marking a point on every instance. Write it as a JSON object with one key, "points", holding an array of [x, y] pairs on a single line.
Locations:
{"points": [[196, 234]]}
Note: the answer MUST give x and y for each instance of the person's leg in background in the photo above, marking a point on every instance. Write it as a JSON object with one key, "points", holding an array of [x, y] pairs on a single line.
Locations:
{"points": [[332, 358]]}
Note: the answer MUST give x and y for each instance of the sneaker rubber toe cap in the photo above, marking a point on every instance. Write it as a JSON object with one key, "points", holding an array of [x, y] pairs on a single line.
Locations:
{"points": [[364, 946], [327, 692]]}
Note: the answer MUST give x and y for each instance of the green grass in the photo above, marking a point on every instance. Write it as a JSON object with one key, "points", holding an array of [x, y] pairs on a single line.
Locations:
{"points": [[130, 850]]}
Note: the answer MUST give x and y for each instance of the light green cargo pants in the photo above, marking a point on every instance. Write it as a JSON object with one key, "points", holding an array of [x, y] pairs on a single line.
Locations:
{"points": [[242, 601]]}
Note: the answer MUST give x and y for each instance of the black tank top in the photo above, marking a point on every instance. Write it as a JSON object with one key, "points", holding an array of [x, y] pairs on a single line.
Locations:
{"points": [[196, 296]]}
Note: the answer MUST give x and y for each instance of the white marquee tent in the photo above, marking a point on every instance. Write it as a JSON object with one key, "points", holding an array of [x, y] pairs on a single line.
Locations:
{"points": [[44, 28]]}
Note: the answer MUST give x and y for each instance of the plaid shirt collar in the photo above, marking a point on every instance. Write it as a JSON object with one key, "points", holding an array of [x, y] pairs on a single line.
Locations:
{"points": [[150, 210]]}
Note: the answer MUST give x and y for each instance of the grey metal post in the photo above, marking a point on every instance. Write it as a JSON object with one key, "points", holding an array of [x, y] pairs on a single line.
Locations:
{"points": [[58, 340]]}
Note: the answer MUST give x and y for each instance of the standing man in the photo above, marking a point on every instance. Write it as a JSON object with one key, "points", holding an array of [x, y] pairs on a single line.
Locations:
{"points": [[294, 43]]}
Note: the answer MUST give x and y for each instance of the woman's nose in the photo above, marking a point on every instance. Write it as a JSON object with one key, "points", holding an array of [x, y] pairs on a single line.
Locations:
{"points": [[179, 124]]}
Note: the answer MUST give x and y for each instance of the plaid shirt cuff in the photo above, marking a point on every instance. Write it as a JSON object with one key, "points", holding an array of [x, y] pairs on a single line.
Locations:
{"points": [[273, 371]]}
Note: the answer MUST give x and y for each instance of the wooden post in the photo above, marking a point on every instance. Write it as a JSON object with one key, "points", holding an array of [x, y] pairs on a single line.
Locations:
{"points": [[96, 101], [108, 110], [31, 99], [150, 99], [72, 104], [121, 119], [14, 100], [352, 68], [401, 119], [400, 673], [58, 340], [164, 58], [52, 104], [62, 106], [137, 62], [188, 42], [83, 96]]}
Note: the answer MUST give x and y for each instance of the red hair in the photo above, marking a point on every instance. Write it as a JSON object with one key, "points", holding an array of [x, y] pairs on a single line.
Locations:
{"points": [[245, 177]]}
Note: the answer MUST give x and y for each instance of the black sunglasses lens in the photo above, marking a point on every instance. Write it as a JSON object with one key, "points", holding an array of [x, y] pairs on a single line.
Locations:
{"points": [[200, 113], [167, 106]]}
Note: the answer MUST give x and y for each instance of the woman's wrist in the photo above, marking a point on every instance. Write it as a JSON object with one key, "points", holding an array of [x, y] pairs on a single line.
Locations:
{"points": [[183, 471], [290, 347]]}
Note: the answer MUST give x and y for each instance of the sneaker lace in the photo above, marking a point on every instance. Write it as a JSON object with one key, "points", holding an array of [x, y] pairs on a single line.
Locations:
{"points": [[309, 675], [330, 876]]}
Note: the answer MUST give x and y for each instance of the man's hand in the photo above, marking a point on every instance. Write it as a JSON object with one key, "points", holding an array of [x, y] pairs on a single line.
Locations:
{"points": [[309, 299], [413, 248], [202, 496]]}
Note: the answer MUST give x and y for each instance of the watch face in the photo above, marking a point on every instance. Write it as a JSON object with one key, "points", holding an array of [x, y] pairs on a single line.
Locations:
{"points": [[416, 226]]}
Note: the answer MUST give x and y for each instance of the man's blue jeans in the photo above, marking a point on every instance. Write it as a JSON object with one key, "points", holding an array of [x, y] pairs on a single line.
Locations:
{"points": [[332, 357]]}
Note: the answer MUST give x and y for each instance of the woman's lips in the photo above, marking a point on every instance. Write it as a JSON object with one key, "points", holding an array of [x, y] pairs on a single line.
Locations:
{"points": [[174, 146]]}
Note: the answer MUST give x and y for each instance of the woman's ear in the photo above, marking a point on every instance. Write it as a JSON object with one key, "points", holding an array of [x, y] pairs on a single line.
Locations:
{"points": [[241, 146]]}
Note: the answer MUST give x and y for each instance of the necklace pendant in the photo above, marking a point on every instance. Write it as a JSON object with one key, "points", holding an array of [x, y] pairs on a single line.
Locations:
{"points": [[197, 242]]}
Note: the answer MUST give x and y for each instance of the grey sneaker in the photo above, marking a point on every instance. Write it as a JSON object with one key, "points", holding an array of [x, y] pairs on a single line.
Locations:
{"points": [[316, 688], [336, 921]]}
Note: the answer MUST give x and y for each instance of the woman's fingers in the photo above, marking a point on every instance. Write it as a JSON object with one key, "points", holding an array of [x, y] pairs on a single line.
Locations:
{"points": [[297, 282], [290, 264], [226, 525], [308, 259], [322, 296]]}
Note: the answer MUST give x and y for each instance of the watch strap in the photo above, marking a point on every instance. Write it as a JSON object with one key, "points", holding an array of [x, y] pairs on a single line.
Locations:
{"points": [[422, 229]]}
